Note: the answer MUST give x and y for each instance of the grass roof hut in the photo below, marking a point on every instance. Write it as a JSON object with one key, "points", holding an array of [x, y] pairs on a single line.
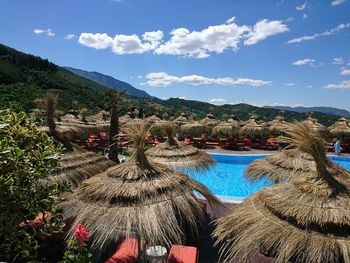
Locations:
{"points": [[316, 126], [181, 120], [226, 128], [304, 220], [278, 125], [341, 128], [76, 163], [100, 116], [140, 197], [253, 128], [210, 121], [175, 154], [194, 129]]}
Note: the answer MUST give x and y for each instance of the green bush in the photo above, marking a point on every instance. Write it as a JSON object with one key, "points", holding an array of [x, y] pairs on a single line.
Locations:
{"points": [[27, 155]]}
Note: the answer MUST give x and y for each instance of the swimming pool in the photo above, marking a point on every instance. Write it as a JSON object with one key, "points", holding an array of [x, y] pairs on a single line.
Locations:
{"points": [[227, 181]]}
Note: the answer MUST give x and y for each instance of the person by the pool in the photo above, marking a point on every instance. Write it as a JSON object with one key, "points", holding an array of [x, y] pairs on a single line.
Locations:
{"points": [[337, 147]]}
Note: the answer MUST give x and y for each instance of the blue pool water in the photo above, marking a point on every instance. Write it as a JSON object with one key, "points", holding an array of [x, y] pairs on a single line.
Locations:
{"points": [[226, 179]]}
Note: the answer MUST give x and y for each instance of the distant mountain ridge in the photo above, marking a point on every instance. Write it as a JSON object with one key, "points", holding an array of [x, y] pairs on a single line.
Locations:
{"points": [[109, 82], [326, 110]]}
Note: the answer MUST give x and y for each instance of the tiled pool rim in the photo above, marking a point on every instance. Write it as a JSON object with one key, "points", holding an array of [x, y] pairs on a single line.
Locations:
{"points": [[238, 200]]}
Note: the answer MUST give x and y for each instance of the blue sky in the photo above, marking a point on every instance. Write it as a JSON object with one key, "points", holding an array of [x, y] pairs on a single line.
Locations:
{"points": [[271, 52]]}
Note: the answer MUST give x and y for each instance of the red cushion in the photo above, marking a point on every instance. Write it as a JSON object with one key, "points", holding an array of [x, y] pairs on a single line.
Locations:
{"points": [[182, 254], [126, 252]]}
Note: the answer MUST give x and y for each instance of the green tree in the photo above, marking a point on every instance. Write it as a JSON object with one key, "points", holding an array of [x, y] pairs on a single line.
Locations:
{"points": [[27, 155]]}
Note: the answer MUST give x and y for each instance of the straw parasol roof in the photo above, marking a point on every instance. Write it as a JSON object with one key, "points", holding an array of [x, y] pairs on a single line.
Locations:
{"points": [[281, 166], [278, 125], [139, 196], [75, 123], [315, 125], [233, 119], [226, 128], [209, 120], [253, 128], [304, 220], [100, 116], [176, 154], [340, 128], [181, 120], [153, 119], [193, 129], [77, 165]]}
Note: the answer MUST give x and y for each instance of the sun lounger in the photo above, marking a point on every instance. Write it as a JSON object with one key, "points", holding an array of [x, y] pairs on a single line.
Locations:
{"points": [[183, 254], [126, 252]]}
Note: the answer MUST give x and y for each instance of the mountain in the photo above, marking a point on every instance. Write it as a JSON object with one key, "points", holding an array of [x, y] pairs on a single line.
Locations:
{"points": [[327, 110], [109, 81], [24, 77]]}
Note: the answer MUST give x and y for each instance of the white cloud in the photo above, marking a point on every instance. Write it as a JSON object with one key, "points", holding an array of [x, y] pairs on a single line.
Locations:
{"points": [[330, 32], [342, 85], [345, 72], [200, 44], [98, 41], [289, 84], [337, 2], [123, 44], [139, 77], [47, 32], [69, 36], [338, 61], [308, 86], [183, 98], [230, 20], [218, 101], [39, 31], [162, 79], [263, 29], [305, 16], [305, 61], [301, 7], [186, 43]]}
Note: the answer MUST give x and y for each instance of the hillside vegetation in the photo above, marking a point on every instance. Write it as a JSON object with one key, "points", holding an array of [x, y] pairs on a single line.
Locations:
{"points": [[25, 77]]}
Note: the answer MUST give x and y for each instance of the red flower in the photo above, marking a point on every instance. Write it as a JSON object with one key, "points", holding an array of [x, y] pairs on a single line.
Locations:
{"points": [[81, 233]]}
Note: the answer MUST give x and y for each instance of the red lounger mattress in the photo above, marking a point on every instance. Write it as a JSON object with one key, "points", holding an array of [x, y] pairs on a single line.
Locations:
{"points": [[182, 254], [126, 252]]}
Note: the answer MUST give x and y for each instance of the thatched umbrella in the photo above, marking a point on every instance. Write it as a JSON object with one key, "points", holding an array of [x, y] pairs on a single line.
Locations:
{"points": [[153, 119], [226, 128], [139, 196], [278, 125], [193, 129], [341, 128], [77, 165], [175, 154], [100, 116], [233, 119], [209, 120], [253, 128], [181, 120], [77, 123], [281, 166], [316, 126], [304, 220]]}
